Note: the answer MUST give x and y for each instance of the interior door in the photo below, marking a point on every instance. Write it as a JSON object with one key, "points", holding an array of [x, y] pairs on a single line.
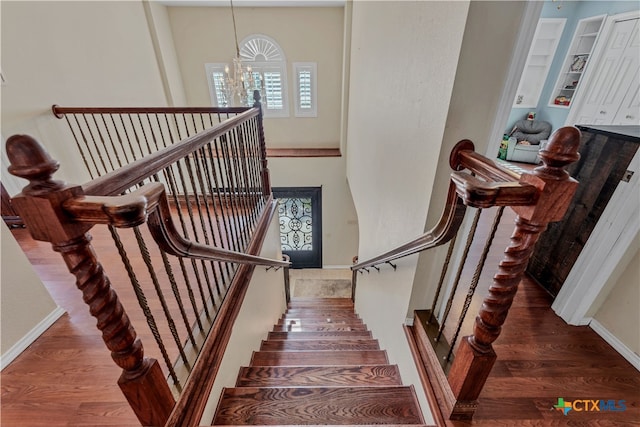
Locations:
{"points": [[614, 77], [300, 217]]}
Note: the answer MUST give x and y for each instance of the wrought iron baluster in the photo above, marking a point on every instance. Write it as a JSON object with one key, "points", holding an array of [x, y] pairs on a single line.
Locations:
{"points": [[465, 254]]}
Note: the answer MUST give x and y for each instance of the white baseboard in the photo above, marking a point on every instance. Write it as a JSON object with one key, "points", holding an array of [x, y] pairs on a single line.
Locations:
{"points": [[614, 342], [30, 337], [336, 267]]}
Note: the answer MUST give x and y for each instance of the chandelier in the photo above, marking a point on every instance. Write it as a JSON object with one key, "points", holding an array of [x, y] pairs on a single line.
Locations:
{"points": [[242, 81]]}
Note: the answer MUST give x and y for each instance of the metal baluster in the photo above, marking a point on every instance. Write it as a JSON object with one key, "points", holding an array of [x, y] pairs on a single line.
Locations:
{"points": [[465, 254], [144, 305], [146, 256], [82, 152], [476, 278], [443, 274]]}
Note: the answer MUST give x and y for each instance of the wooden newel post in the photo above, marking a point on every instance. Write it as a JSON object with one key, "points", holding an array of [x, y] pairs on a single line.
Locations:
{"points": [[41, 206], [266, 180], [475, 356]]}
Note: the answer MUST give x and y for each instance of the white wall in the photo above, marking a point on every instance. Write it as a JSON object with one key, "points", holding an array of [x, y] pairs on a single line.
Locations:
{"points": [[205, 35], [403, 63], [26, 308], [263, 304]]}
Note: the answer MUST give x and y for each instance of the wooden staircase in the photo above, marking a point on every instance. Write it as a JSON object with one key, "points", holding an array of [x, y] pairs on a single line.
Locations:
{"points": [[319, 366]]}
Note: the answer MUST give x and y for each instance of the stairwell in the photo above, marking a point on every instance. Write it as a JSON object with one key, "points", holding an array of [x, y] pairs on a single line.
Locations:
{"points": [[319, 365]]}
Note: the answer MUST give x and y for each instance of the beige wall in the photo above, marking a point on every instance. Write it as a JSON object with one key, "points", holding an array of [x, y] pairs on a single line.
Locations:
{"points": [[205, 35], [619, 313], [25, 303], [480, 78], [73, 54], [403, 63], [162, 37], [339, 219]]}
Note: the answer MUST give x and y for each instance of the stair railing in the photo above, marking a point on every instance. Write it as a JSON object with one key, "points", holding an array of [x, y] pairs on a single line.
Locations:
{"points": [[538, 198], [207, 203]]}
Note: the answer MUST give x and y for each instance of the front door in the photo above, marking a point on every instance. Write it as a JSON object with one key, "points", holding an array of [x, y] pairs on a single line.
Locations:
{"points": [[300, 217]]}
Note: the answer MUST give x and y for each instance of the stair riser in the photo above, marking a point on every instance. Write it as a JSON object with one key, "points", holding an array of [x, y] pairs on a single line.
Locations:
{"points": [[319, 358], [326, 335], [335, 345], [318, 327], [319, 320]]}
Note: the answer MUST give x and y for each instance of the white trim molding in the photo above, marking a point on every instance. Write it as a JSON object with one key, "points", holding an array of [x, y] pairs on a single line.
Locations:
{"points": [[603, 253], [614, 342], [30, 337]]}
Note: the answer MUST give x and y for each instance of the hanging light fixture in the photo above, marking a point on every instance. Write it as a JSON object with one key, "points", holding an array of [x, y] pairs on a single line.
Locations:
{"points": [[242, 80]]}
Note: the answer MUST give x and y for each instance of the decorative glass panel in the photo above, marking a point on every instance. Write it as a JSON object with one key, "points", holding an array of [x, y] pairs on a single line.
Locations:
{"points": [[295, 224]]}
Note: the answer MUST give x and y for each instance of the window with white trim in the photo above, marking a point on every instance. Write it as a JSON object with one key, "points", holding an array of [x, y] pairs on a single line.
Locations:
{"points": [[268, 66], [306, 89]]}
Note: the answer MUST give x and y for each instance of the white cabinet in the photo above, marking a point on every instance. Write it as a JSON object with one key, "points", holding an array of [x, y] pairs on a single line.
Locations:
{"points": [[536, 69], [576, 61], [612, 93]]}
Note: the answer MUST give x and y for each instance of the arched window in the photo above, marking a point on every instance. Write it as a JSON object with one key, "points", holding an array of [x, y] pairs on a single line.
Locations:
{"points": [[269, 65], [269, 68]]}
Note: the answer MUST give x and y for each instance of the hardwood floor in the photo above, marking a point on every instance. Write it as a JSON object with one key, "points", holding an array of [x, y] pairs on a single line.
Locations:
{"points": [[67, 378]]}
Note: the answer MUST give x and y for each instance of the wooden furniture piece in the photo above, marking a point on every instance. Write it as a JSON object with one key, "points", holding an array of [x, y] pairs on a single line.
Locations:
{"points": [[605, 152]]}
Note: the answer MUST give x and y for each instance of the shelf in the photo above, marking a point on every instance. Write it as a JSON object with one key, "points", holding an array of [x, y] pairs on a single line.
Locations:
{"points": [[577, 56], [541, 54]]}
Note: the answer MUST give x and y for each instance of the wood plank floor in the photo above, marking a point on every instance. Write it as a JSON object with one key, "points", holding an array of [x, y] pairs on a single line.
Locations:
{"points": [[67, 378]]}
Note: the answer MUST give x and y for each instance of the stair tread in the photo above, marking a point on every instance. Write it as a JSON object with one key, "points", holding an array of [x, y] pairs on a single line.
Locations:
{"points": [[318, 327], [296, 376], [319, 357], [326, 405], [343, 344], [320, 335]]}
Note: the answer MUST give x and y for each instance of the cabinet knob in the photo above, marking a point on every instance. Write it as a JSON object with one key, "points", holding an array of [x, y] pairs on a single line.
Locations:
{"points": [[603, 112], [628, 116]]}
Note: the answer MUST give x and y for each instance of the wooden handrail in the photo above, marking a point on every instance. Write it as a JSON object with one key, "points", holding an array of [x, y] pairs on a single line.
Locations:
{"points": [[450, 220], [149, 204], [465, 189], [60, 112], [118, 181]]}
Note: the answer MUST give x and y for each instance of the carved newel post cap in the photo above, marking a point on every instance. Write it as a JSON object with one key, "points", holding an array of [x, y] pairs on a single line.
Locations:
{"points": [[29, 160], [561, 150]]}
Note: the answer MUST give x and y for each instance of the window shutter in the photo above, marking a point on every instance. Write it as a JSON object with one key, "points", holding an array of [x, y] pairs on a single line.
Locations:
{"points": [[305, 85], [273, 90]]}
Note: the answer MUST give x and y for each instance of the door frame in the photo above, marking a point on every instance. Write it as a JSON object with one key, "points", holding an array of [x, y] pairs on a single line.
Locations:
{"points": [[312, 258]]}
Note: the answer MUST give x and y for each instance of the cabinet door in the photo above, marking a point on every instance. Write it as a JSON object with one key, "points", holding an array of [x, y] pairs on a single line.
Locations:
{"points": [[617, 69]]}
